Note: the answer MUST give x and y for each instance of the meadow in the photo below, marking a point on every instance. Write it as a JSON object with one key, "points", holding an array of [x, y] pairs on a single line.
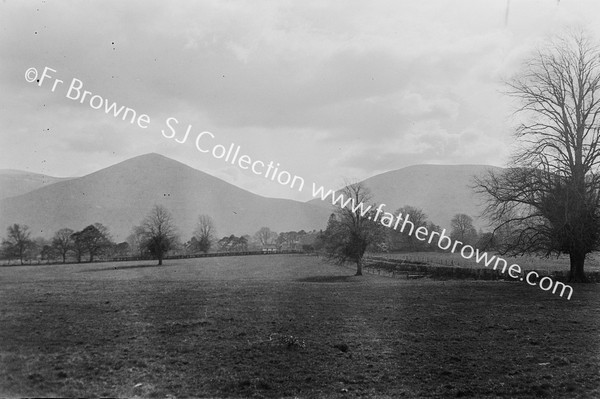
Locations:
{"points": [[287, 326]]}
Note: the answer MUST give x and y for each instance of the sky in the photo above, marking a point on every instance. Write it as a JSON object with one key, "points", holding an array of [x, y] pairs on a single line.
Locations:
{"points": [[329, 90]]}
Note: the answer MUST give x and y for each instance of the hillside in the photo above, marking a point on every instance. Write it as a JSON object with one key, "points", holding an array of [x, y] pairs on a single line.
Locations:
{"points": [[121, 195], [17, 182], [440, 190]]}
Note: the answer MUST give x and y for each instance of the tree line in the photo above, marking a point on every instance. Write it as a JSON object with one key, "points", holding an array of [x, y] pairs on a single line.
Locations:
{"points": [[351, 233], [156, 236]]}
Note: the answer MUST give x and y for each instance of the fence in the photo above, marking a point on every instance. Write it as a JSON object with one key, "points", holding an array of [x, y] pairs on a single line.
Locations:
{"points": [[419, 267]]}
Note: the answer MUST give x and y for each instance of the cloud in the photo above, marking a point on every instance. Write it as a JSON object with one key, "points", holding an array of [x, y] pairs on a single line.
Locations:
{"points": [[331, 89]]}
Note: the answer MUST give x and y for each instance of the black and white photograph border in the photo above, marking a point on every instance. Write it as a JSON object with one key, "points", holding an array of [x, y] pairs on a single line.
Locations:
{"points": [[300, 199]]}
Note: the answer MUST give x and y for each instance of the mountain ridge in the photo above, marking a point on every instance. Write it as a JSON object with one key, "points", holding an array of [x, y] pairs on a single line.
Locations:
{"points": [[441, 191], [14, 182], [119, 196]]}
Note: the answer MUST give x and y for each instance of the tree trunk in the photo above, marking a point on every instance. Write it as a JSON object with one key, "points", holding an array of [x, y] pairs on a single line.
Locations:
{"points": [[576, 274], [64, 258], [160, 260], [358, 267]]}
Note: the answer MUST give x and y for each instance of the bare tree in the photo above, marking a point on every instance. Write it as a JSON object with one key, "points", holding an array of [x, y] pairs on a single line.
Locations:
{"points": [[205, 233], [18, 241], [404, 241], [265, 236], [159, 232], [350, 232], [48, 252], [463, 229], [136, 241], [63, 243], [78, 245], [548, 202]]}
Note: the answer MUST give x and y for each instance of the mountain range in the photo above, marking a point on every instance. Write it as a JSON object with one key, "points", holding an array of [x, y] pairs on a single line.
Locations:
{"points": [[121, 195]]}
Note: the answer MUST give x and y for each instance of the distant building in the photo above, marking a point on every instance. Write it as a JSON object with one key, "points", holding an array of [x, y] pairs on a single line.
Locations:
{"points": [[269, 248]]}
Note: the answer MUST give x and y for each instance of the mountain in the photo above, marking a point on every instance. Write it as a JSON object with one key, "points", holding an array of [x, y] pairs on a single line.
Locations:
{"points": [[121, 195], [17, 182], [440, 190]]}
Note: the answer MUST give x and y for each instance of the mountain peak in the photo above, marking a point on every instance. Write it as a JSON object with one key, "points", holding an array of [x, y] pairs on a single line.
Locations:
{"points": [[121, 195], [152, 157]]}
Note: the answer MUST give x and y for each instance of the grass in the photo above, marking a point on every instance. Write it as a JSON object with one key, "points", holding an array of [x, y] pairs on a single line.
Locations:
{"points": [[287, 326]]}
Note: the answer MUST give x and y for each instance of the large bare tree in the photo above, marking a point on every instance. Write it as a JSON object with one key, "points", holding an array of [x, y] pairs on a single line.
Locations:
{"points": [[548, 201], [350, 231]]}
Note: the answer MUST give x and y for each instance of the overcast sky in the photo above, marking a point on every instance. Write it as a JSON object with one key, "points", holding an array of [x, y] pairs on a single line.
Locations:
{"points": [[328, 89]]}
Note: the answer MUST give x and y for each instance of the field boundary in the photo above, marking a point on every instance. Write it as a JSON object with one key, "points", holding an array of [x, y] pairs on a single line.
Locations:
{"points": [[420, 268]]}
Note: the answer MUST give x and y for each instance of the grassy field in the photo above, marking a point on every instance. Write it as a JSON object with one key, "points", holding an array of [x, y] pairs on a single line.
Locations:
{"points": [[288, 326]]}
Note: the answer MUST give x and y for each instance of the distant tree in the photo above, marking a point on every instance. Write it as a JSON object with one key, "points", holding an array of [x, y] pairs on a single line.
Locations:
{"points": [[136, 241], [159, 232], [191, 247], [48, 253], [233, 244], [265, 236], [94, 239], [62, 242], [246, 242], [463, 229], [433, 227], [204, 233], [121, 249], [309, 242], [241, 244], [18, 241], [349, 233], [78, 245], [486, 242], [224, 244], [35, 251], [288, 240], [402, 240]]}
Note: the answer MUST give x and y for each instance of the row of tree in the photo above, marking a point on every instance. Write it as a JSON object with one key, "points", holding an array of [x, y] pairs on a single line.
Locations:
{"points": [[91, 241], [155, 236], [350, 233]]}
